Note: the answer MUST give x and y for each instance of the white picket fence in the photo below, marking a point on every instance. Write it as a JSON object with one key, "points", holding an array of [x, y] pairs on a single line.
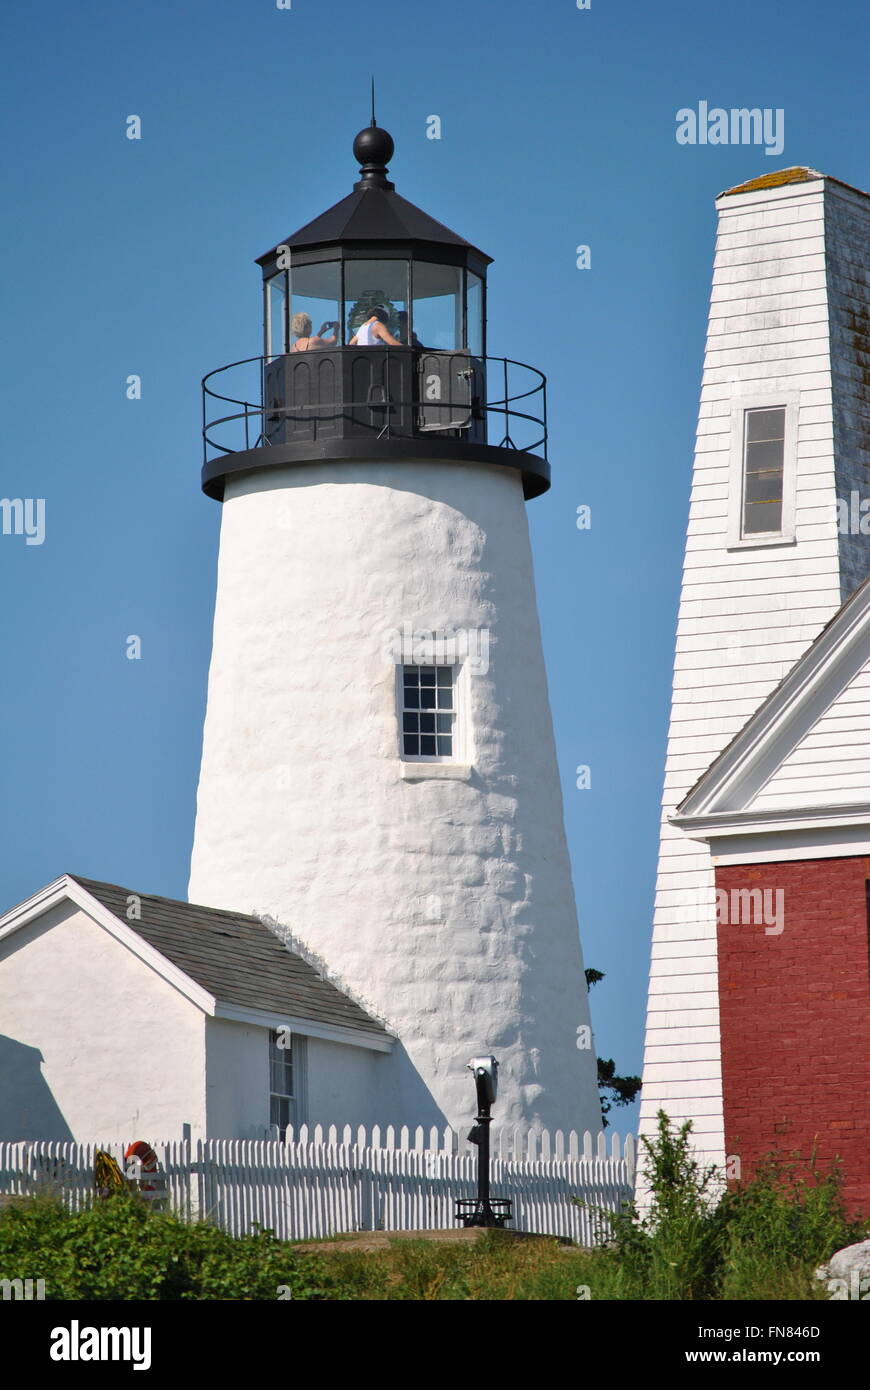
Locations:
{"points": [[319, 1184]]}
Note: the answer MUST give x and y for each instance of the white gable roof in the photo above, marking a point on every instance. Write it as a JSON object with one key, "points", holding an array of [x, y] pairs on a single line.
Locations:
{"points": [[801, 764]]}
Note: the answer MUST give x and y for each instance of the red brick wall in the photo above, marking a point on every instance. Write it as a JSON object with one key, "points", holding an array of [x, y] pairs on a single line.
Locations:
{"points": [[795, 1018]]}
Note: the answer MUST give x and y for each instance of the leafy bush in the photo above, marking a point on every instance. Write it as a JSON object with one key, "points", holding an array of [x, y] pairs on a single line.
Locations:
{"points": [[117, 1249], [695, 1240], [673, 1250], [781, 1227]]}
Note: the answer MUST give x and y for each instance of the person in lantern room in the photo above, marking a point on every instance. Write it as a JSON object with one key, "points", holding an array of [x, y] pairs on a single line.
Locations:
{"points": [[374, 330], [402, 317], [300, 327]]}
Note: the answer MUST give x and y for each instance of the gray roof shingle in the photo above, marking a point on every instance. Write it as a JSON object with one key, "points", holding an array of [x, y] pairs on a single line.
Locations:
{"points": [[235, 957]]}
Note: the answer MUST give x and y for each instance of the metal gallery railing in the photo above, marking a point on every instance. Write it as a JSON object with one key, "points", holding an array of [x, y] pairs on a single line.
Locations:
{"points": [[501, 400]]}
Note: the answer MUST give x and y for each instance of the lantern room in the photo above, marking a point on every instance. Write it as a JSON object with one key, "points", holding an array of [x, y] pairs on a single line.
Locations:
{"points": [[374, 340], [375, 250]]}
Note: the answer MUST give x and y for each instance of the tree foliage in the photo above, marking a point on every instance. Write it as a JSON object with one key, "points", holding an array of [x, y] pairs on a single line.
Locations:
{"points": [[612, 1089]]}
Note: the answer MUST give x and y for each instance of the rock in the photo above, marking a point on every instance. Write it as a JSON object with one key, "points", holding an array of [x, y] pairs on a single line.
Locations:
{"points": [[842, 1264]]}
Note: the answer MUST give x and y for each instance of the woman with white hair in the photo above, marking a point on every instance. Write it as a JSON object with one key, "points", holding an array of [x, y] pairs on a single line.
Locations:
{"points": [[300, 327]]}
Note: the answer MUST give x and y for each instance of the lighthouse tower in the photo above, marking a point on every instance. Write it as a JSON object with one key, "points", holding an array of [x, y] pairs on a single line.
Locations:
{"points": [[379, 774]]}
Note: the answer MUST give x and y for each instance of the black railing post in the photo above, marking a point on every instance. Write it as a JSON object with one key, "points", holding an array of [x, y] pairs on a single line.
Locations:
{"points": [[204, 424], [507, 427], [262, 434]]}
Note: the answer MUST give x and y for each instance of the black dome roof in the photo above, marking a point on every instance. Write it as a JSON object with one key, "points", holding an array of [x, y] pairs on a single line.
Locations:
{"points": [[374, 211]]}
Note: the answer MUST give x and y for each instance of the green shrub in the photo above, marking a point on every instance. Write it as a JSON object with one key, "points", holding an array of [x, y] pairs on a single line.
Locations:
{"points": [[781, 1227], [695, 1240], [673, 1250], [117, 1249]]}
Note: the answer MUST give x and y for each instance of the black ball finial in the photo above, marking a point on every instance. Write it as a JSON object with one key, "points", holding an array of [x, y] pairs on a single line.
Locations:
{"points": [[374, 145], [374, 148]]}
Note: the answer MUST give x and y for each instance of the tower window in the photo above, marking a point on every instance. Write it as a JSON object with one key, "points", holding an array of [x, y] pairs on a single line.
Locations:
{"points": [[428, 711], [763, 460]]}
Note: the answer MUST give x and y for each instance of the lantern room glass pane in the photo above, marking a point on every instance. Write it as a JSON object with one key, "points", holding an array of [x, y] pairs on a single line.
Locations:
{"points": [[475, 315], [370, 285], [276, 296], [437, 318], [315, 305]]}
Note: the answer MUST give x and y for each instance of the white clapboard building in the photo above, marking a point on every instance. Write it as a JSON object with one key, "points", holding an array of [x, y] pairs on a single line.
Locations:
{"points": [[767, 785], [379, 805]]}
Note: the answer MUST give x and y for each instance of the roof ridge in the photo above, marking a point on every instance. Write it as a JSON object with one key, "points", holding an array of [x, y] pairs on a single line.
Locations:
{"points": [[162, 898], [297, 947], [795, 173]]}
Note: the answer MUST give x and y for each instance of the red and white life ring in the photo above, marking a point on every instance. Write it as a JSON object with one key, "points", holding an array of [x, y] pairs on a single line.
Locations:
{"points": [[145, 1160]]}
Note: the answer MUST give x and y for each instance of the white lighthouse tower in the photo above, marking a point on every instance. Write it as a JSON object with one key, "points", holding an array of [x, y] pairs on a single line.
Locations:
{"points": [[379, 773]]}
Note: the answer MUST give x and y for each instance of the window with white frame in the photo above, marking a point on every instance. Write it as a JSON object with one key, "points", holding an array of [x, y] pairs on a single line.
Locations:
{"points": [[763, 471], [285, 1059], [428, 712]]}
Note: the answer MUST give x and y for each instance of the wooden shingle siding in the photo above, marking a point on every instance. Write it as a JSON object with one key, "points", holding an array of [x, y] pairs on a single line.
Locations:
{"points": [[849, 308], [832, 762]]}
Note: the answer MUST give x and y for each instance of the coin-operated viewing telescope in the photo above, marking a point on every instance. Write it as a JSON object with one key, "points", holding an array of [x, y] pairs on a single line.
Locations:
{"points": [[483, 1210], [485, 1071]]}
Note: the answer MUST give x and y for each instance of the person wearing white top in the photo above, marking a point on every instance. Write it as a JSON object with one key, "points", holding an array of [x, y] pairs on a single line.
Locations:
{"points": [[374, 330]]}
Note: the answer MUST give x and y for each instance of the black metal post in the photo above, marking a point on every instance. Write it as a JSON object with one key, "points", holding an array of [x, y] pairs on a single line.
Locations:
{"points": [[485, 1210], [485, 1214]]}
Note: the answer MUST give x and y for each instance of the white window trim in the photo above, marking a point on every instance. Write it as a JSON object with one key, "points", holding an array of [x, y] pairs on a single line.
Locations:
{"points": [[461, 757], [786, 535], [419, 771], [299, 1054]]}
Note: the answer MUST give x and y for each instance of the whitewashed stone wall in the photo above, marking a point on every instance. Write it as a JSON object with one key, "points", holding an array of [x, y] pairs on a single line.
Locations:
{"points": [[444, 904]]}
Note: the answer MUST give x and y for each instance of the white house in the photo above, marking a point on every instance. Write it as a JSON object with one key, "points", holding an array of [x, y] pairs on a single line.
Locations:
{"points": [[125, 1016]]}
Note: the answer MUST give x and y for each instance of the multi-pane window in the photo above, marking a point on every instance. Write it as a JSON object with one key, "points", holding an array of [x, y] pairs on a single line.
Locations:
{"points": [[763, 457], [428, 711], [282, 1081]]}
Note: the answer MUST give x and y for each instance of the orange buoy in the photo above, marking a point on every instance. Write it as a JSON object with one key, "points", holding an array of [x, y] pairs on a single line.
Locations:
{"points": [[140, 1158]]}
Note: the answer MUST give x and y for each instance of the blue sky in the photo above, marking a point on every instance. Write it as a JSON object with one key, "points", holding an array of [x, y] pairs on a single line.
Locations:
{"points": [[120, 257]]}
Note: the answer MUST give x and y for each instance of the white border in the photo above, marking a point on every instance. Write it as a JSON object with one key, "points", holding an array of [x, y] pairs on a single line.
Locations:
{"points": [[273, 1018], [735, 540], [415, 767]]}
